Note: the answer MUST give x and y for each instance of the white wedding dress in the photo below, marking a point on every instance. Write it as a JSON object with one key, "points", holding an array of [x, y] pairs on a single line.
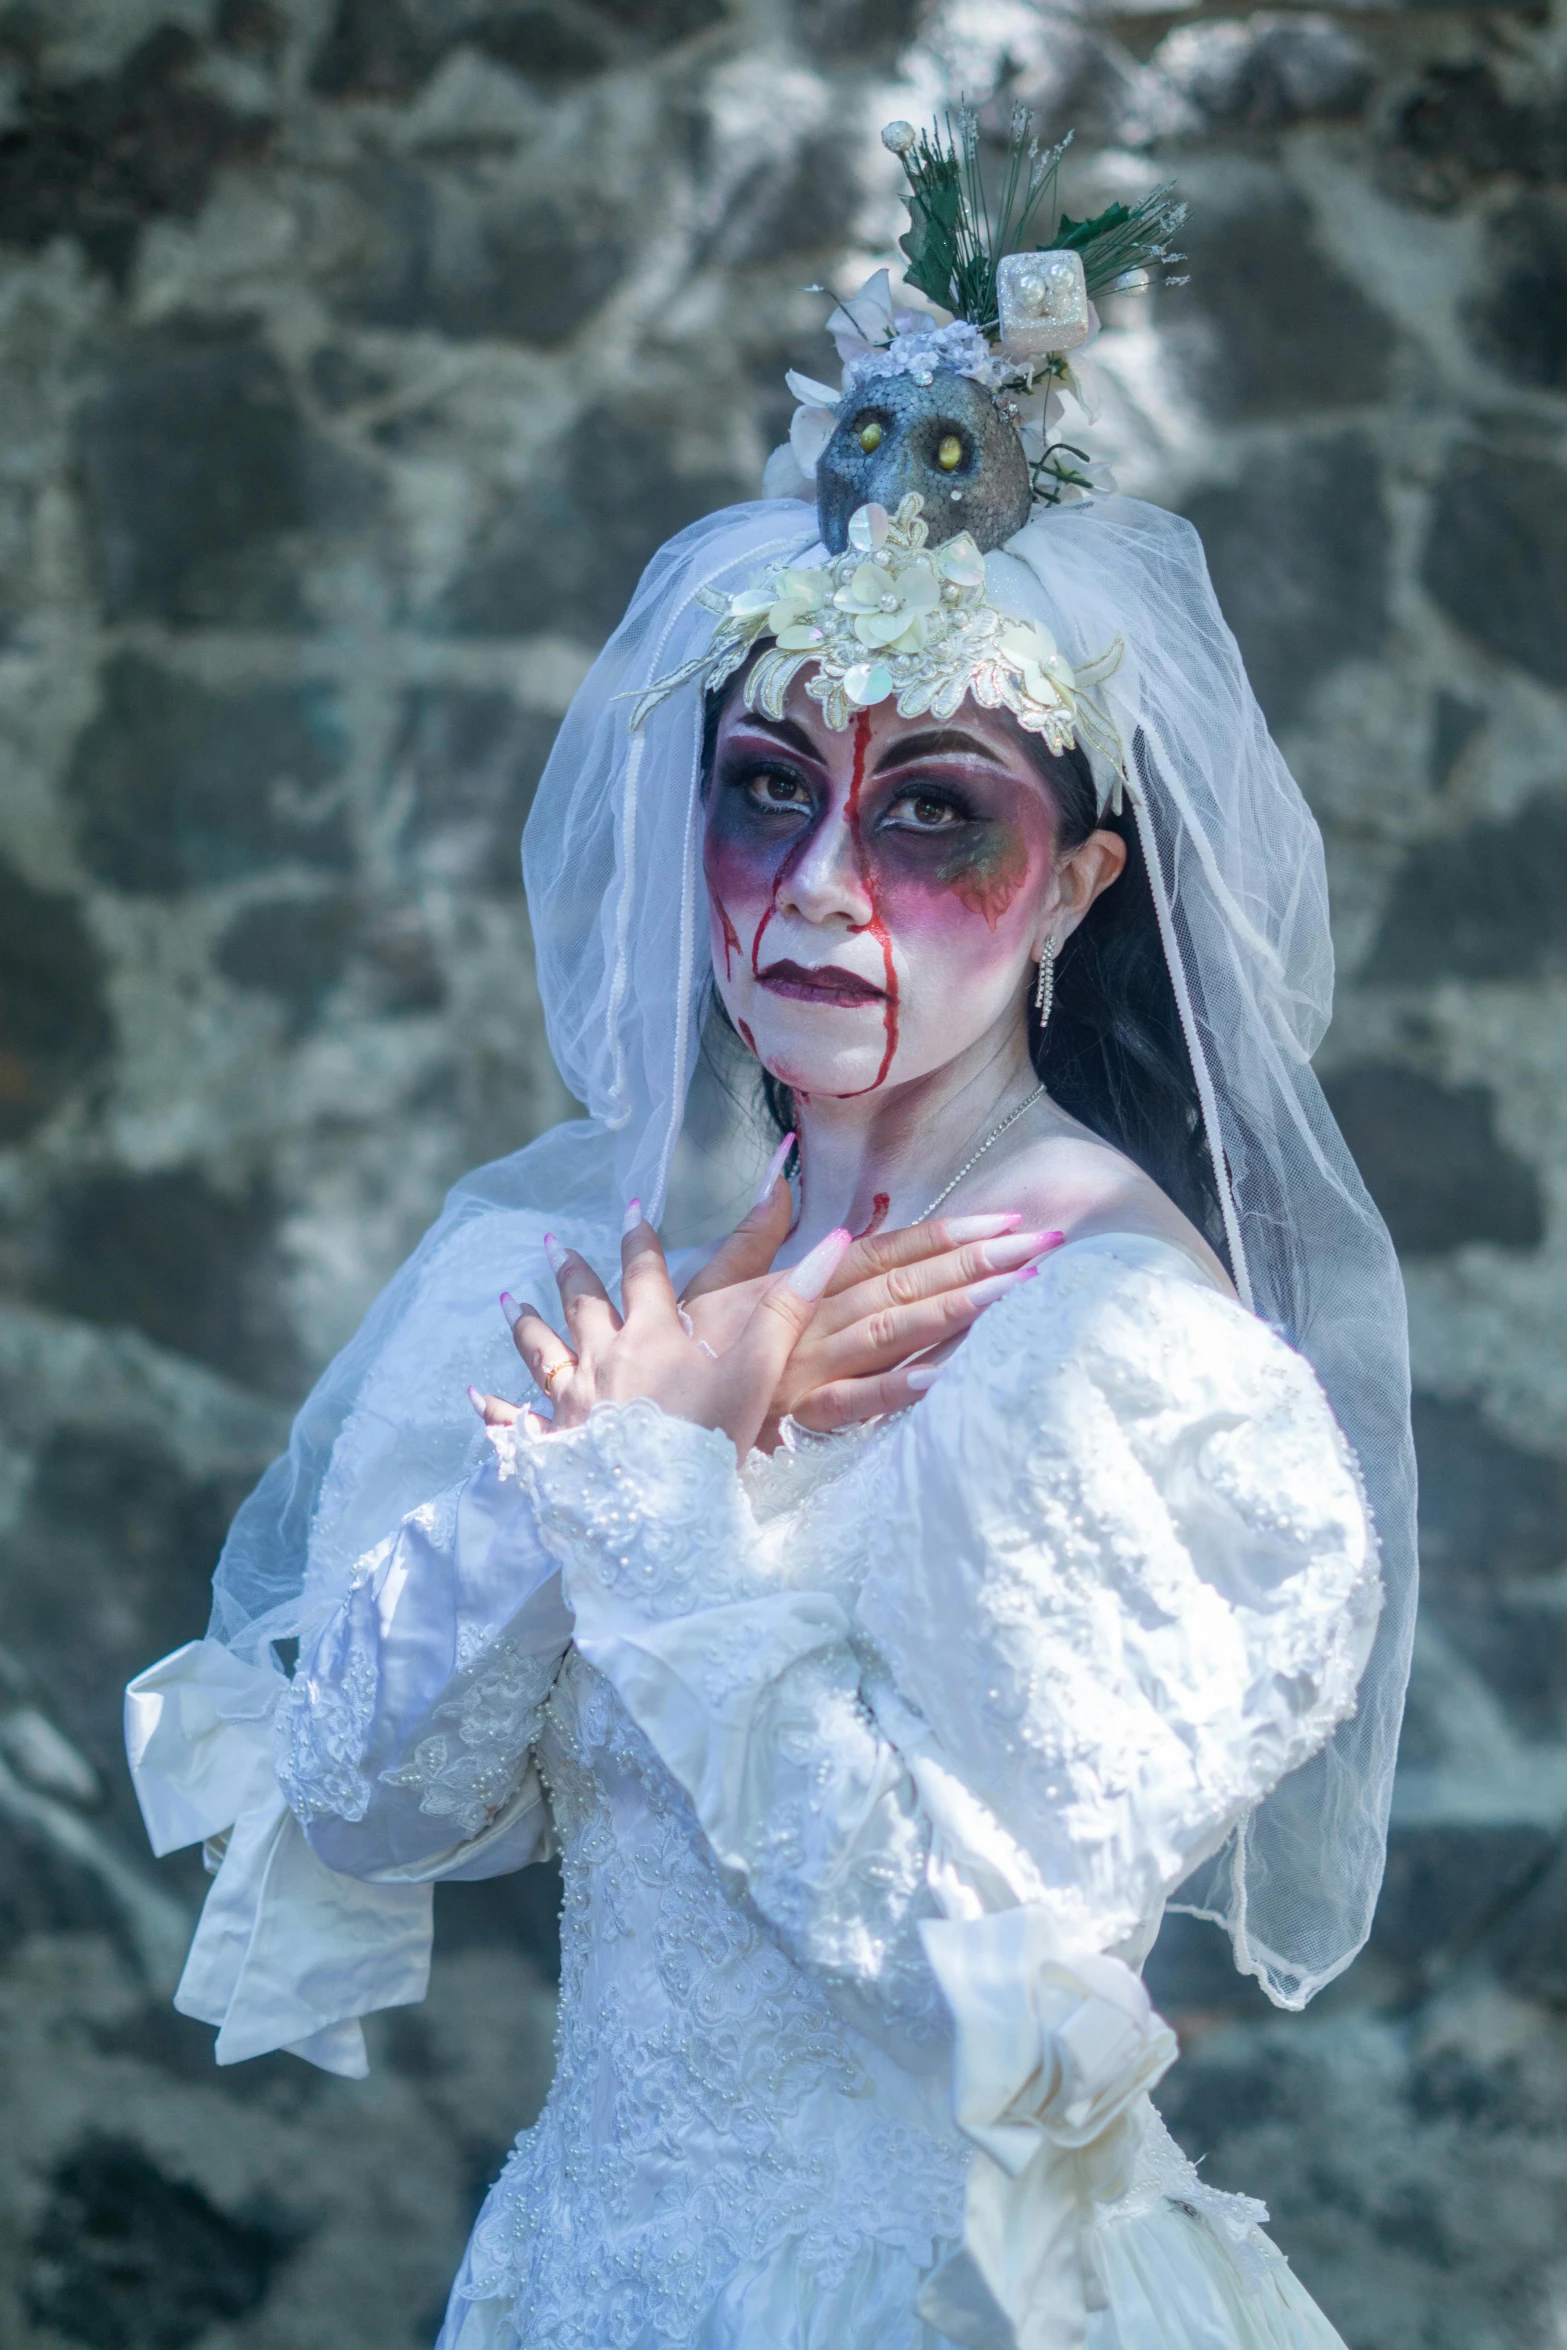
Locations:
{"points": [[1043, 1640]]}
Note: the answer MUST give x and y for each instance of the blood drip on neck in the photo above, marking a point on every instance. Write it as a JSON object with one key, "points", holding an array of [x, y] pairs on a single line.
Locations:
{"points": [[878, 1216]]}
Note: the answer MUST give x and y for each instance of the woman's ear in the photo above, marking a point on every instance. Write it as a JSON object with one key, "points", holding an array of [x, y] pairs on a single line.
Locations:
{"points": [[1079, 877]]}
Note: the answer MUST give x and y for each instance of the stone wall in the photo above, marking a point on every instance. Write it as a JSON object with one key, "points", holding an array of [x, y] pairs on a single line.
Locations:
{"points": [[353, 356]]}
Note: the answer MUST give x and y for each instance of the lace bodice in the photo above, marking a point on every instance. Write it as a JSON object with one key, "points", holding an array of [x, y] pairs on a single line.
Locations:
{"points": [[708, 2105], [870, 1765]]}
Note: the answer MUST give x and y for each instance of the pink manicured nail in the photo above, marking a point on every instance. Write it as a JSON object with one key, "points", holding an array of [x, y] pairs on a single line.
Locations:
{"points": [[775, 1167], [923, 1375], [985, 1293], [962, 1228], [631, 1219], [812, 1274], [1015, 1248], [1050, 1240], [477, 1401], [512, 1312], [556, 1254]]}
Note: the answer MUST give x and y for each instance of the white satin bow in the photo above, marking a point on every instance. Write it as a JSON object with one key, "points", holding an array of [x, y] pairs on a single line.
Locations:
{"points": [[1054, 2054]]}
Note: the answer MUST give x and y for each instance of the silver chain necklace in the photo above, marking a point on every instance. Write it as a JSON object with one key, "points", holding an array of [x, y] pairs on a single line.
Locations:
{"points": [[995, 1135]]}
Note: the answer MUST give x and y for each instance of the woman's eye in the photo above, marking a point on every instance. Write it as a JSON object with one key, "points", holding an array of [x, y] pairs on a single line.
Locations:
{"points": [[771, 789], [924, 812]]}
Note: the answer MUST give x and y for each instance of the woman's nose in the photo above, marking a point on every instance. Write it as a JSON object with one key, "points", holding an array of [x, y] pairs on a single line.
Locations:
{"points": [[826, 881]]}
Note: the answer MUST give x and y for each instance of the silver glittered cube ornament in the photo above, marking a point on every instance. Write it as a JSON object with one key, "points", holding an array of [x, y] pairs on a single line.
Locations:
{"points": [[1043, 303]]}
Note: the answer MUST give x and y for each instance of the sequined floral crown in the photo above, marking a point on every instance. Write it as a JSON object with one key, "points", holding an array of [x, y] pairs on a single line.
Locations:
{"points": [[893, 618]]}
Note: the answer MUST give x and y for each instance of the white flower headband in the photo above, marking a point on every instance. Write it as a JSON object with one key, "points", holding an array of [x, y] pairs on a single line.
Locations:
{"points": [[892, 619]]}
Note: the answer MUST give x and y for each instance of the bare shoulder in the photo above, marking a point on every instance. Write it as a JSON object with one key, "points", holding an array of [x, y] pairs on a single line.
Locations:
{"points": [[1068, 1180]]}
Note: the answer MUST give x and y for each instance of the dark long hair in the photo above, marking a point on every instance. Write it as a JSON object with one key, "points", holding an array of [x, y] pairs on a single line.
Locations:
{"points": [[1113, 1054]]}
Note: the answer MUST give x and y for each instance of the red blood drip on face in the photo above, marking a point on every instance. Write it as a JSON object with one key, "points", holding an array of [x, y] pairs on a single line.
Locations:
{"points": [[878, 1216], [744, 1031], [876, 926], [988, 883], [731, 936]]}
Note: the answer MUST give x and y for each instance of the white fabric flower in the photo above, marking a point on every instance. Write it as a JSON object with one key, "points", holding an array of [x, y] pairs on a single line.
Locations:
{"points": [[811, 427], [890, 608], [1046, 673], [870, 320]]}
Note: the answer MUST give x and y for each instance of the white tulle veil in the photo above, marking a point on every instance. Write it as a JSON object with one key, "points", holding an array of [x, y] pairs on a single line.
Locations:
{"points": [[612, 864]]}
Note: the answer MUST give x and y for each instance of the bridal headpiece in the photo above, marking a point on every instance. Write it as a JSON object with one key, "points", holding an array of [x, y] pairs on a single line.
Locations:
{"points": [[964, 413], [893, 618], [935, 450]]}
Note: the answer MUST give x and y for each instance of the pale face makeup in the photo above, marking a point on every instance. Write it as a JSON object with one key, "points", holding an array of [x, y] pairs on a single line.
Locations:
{"points": [[878, 896]]}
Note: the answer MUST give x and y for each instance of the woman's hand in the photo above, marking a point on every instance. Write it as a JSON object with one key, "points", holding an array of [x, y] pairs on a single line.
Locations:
{"points": [[646, 1349], [893, 1296]]}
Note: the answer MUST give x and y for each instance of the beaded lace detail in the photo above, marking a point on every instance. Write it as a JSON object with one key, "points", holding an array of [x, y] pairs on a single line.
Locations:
{"points": [[708, 2105], [324, 1718], [472, 1764]]}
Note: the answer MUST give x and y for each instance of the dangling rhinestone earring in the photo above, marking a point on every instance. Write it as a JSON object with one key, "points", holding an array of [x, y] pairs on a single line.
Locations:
{"points": [[1045, 986]]}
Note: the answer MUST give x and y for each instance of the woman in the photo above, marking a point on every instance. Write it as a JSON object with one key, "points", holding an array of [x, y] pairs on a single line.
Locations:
{"points": [[874, 1754]]}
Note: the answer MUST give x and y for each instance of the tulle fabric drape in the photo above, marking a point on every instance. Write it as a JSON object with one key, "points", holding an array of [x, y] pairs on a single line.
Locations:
{"points": [[612, 865]]}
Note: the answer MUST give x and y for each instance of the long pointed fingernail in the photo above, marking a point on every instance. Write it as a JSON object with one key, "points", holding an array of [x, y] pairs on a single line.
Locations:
{"points": [[512, 1312], [812, 1274], [555, 1253], [631, 1219], [985, 1293], [775, 1167], [1050, 1240], [962, 1228], [477, 1401], [1010, 1250], [923, 1375]]}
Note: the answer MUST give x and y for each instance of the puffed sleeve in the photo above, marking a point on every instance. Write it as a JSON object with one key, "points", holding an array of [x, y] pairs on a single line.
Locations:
{"points": [[1118, 1579], [400, 1752]]}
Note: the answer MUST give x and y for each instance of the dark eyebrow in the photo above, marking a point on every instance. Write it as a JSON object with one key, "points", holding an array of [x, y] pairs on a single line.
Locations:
{"points": [[786, 730], [936, 743]]}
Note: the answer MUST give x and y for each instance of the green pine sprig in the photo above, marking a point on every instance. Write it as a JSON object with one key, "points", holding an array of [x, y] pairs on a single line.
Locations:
{"points": [[955, 240]]}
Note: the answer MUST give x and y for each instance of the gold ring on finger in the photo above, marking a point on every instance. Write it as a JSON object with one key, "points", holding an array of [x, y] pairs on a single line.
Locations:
{"points": [[566, 1363]]}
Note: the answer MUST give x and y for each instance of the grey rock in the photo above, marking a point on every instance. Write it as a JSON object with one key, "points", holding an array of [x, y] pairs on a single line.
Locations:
{"points": [[1446, 1887], [202, 484], [469, 250], [130, 1536], [1520, 315], [55, 1028], [1265, 71], [1489, 902], [1496, 556], [1433, 1160], [1268, 327], [469, 759], [987, 493], [1530, 1947], [45, 1759], [177, 787], [1454, 725], [856, 32], [1298, 551], [301, 950], [1493, 1540], [388, 49], [125, 2256], [1457, 129], [194, 1267], [610, 496], [95, 159]]}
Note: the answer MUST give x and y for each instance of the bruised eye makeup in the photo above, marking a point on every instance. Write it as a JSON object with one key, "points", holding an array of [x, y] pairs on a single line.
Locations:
{"points": [[926, 811]]}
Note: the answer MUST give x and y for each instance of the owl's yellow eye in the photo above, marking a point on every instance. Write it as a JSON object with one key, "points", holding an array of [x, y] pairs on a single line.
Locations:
{"points": [[870, 436], [949, 452]]}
